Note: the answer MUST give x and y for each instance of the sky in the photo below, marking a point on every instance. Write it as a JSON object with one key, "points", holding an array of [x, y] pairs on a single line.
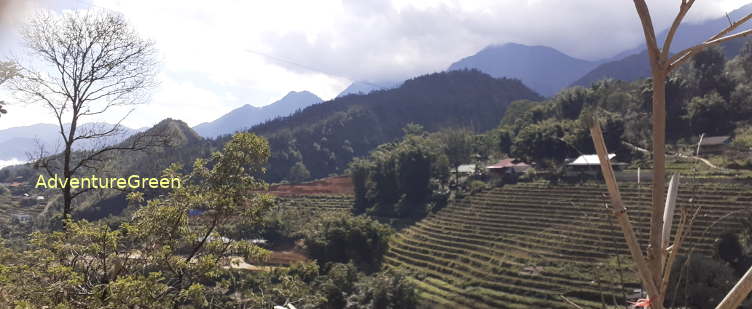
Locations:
{"points": [[218, 55]]}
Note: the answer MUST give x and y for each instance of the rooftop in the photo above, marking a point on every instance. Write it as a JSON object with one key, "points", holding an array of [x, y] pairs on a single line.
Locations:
{"points": [[714, 140], [590, 159]]}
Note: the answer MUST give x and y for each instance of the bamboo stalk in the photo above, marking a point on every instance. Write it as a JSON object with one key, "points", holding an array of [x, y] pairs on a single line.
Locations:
{"points": [[621, 213]]}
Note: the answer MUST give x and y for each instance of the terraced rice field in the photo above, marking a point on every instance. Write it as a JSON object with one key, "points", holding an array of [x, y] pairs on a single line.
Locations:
{"points": [[318, 203], [12, 205], [527, 245]]}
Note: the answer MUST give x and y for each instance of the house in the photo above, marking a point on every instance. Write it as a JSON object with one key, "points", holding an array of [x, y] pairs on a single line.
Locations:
{"points": [[714, 144], [591, 162], [507, 166]]}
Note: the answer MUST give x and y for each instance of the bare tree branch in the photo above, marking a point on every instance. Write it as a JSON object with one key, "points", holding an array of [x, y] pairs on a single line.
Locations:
{"points": [[94, 62], [683, 9]]}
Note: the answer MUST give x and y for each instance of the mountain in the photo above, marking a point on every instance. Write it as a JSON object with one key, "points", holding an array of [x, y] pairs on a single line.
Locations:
{"points": [[541, 68], [247, 116], [326, 137], [363, 87], [630, 68], [16, 142], [636, 66], [183, 145]]}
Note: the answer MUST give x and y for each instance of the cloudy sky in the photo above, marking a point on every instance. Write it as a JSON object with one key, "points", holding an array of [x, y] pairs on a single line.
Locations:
{"points": [[219, 55]]}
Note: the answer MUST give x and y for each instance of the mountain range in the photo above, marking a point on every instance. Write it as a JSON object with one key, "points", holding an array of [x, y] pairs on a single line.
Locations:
{"points": [[547, 70], [543, 69], [326, 137], [636, 66], [16, 142], [247, 115]]}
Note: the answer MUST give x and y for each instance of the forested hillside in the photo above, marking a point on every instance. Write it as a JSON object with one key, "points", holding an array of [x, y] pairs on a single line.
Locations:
{"points": [[324, 138]]}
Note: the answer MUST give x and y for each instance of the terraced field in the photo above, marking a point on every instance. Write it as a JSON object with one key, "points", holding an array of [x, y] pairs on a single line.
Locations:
{"points": [[527, 245], [318, 203], [14, 205]]}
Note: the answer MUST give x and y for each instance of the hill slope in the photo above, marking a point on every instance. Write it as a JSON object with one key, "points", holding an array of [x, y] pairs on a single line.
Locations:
{"points": [[326, 137], [541, 68], [183, 146], [525, 245], [247, 116]]}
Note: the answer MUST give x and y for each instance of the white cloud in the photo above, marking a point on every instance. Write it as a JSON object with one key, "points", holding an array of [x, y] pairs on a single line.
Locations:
{"points": [[219, 55]]}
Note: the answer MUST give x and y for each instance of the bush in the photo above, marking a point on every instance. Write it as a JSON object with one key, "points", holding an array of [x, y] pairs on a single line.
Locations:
{"points": [[476, 186], [342, 238], [698, 282], [389, 289]]}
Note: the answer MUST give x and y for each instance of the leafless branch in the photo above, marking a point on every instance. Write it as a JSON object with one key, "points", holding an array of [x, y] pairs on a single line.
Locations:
{"points": [[94, 62]]}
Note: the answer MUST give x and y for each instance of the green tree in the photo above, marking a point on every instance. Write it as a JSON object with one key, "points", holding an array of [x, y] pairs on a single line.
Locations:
{"points": [[745, 57], [386, 290], [458, 146], [709, 114], [298, 173], [342, 238], [706, 72], [161, 257], [570, 102], [542, 143], [698, 282], [505, 140]]}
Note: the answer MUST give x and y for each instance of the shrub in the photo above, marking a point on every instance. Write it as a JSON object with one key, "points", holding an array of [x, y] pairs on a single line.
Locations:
{"points": [[342, 238]]}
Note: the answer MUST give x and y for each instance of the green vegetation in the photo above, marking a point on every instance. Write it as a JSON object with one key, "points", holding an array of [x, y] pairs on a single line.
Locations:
{"points": [[524, 245], [326, 137], [342, 238]]}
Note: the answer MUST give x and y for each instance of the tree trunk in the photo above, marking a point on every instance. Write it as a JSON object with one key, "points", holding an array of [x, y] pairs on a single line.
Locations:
{"points": [[659, 175]]}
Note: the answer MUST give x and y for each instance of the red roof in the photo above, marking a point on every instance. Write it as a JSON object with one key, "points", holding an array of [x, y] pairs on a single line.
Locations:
{"points": [[506, 163]]}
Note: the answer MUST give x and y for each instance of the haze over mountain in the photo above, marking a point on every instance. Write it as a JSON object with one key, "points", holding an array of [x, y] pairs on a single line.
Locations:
{"points": [[543, 69], [247, 115], [634, 65], [16, 142]]}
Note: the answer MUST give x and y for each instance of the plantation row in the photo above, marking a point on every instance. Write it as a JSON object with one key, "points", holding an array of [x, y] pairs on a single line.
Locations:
{"points": [[13, 205], [318, 202], [532, 245]]}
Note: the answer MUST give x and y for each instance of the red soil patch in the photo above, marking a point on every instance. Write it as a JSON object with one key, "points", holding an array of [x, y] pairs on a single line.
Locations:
{"points": [[339, 185]]}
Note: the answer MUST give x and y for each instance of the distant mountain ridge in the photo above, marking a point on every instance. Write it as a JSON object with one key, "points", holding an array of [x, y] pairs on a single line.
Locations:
{"points": [[363, 87], [635, 65], [543, 69], [247, 115], [16, 142], [326, 137]]}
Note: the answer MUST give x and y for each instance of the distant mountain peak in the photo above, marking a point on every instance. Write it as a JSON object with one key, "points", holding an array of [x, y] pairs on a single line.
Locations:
{"points": [[248, 115], [366, 87], [542, 68]]}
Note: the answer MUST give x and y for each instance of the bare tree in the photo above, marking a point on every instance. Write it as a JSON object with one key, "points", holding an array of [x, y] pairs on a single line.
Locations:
{"points": [[654, 268], [92, 62], [8, 70]]}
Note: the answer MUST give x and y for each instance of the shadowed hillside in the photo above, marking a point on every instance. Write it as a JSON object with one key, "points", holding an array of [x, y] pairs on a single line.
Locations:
{"points": [[327, 136]]}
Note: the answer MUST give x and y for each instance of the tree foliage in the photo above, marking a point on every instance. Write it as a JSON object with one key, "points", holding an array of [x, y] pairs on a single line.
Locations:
{"points": [[161, 257], [399, 179], [342, 238]]}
